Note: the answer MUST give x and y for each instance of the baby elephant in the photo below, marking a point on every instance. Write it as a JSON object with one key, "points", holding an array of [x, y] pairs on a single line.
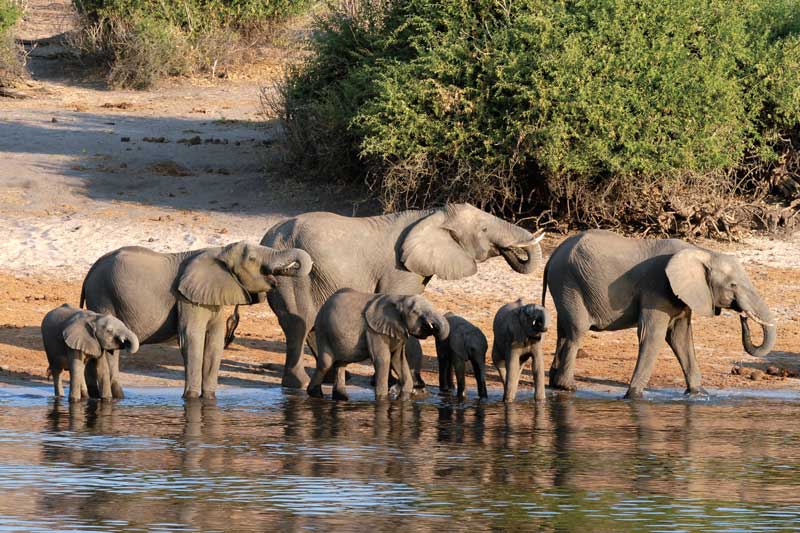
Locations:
{"points": [[352, 326], [518, 329], [465, 342], [77, 340]]}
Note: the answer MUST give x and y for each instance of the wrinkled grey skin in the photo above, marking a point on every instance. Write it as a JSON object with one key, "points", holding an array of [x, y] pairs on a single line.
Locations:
{"points": [[601, 281], [76, 340], [160, 296], [393, 254], [466, 342], [518, 328], [353, 326]]}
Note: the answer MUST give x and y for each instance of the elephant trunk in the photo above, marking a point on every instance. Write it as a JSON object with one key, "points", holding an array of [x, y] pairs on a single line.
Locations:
{"points": [[441, 327], [754, 308], [131, 342], [292, 262], [521, 249]]}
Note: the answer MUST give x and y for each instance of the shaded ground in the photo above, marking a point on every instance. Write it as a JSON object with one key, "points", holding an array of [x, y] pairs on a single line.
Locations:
{"points": [[84, 170]]}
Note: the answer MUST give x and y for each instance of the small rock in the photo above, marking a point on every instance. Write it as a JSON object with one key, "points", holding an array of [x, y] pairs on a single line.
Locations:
{"points": [[737, 371], [275, 367], [757, 375], [773, 370], [125, 139], [54, 119], [582, 354], [155, 140], [151, 239], [191, 141], [3, 368]]}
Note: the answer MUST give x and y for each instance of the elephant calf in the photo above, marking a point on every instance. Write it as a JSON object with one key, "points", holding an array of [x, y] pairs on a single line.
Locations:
{"points": [[73, 337], [518, 329], [465, 342], [352, 326]]}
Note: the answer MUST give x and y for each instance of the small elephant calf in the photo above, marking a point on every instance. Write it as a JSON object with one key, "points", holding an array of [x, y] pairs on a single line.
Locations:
{"points": [[74, 337], [465, 342], [518, 329], [352, 326]]}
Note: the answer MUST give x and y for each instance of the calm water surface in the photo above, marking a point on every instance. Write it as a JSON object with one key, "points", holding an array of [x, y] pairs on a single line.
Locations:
{"points": [[262, 459]]}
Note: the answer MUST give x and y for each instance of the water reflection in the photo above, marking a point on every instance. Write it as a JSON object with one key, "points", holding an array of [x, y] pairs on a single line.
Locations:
{"points": [[258, 460]]}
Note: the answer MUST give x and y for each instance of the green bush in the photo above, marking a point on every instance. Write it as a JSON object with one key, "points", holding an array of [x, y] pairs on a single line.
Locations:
{"points": [[594, 109], [143, 41], [11, 66]]}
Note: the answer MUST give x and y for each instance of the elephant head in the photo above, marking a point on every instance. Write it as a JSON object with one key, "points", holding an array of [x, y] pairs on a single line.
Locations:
{"points": [[708, 282], [532, 321], [239, 273], [94, 334], [399, 316], [451, 241]]}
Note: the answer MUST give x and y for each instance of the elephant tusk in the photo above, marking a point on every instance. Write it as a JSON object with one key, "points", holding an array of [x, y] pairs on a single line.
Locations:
{"points": [[747, 314]]}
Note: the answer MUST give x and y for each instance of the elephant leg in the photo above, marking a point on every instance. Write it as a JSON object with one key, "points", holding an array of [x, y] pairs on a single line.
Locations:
{"points": [[414, 357], [76, 369], [325, 363], [212, 356], [339, 384], [296, 328], [58, 389], [104, 377], [459, 369], [443, 360], [572, 324], [382, 362], [563, 375], [113, 369], [191, 338], [85, 390], [480, 376], [538, 374], [90, 378], [404, 371], [652, 332], [679, 337], [513, 371]]}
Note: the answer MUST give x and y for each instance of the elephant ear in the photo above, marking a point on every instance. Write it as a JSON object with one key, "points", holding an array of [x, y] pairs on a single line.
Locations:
{"points": [[430, 249], [384, 317], [207, 280], [79, 334], [687, 275]]}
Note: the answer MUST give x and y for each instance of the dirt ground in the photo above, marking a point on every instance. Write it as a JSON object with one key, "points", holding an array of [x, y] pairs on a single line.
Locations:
{"points": [[85, 169]]}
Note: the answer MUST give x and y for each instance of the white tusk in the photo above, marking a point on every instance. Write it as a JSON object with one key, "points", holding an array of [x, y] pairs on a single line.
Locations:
{"points": [[755, 319], [538, 239]]}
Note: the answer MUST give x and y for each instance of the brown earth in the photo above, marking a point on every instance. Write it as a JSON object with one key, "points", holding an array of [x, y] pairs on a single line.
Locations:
{"points": [[85, 169]]}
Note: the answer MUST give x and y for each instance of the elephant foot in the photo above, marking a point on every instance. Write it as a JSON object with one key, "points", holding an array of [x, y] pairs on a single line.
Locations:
{"points": [[191, 395], [291, 380], [634, 394], [116, 391], [445, 392], [315, 392], [563, 384], [696, 392], [418, 381], [340, 396], [461, 397], [74, 399], [405, 396], [210, 395]]}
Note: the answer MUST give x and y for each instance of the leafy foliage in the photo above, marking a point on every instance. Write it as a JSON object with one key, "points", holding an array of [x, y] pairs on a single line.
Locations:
{"points": [[588, 107], [144, 41], [11, 65]]}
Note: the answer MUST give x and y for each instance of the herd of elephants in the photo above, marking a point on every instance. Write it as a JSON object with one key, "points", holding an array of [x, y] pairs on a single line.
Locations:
{"points": [[349, 288]]}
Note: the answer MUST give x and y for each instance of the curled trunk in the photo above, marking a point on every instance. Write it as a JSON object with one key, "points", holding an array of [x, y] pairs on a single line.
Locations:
{"points": [[770, 333], [292, 262]]}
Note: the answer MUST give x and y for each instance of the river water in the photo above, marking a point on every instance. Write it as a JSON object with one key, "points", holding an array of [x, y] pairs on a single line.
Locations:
{"points": [[262, 459]]}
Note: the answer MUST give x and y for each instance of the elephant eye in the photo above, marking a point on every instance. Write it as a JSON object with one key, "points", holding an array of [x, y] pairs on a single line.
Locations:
{"points": [[733, 285], [485, 230], [251, 258]]}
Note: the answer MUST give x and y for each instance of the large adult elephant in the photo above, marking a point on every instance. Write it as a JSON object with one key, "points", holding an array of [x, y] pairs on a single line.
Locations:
{"points": [[601, 281], [397, 253], [163, 295]]}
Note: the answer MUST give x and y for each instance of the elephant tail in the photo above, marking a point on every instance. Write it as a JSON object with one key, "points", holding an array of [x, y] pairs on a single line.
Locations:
{"points": [[544, 282]]}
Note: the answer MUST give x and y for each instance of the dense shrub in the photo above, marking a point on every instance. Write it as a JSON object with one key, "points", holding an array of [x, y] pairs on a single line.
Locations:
{"points": [[11, 66], [143, 41], [596, 109]]}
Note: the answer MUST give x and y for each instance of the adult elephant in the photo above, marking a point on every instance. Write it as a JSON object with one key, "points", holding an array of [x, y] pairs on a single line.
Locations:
{"points": [[397, 253], [601, 281], [163, 295]]}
